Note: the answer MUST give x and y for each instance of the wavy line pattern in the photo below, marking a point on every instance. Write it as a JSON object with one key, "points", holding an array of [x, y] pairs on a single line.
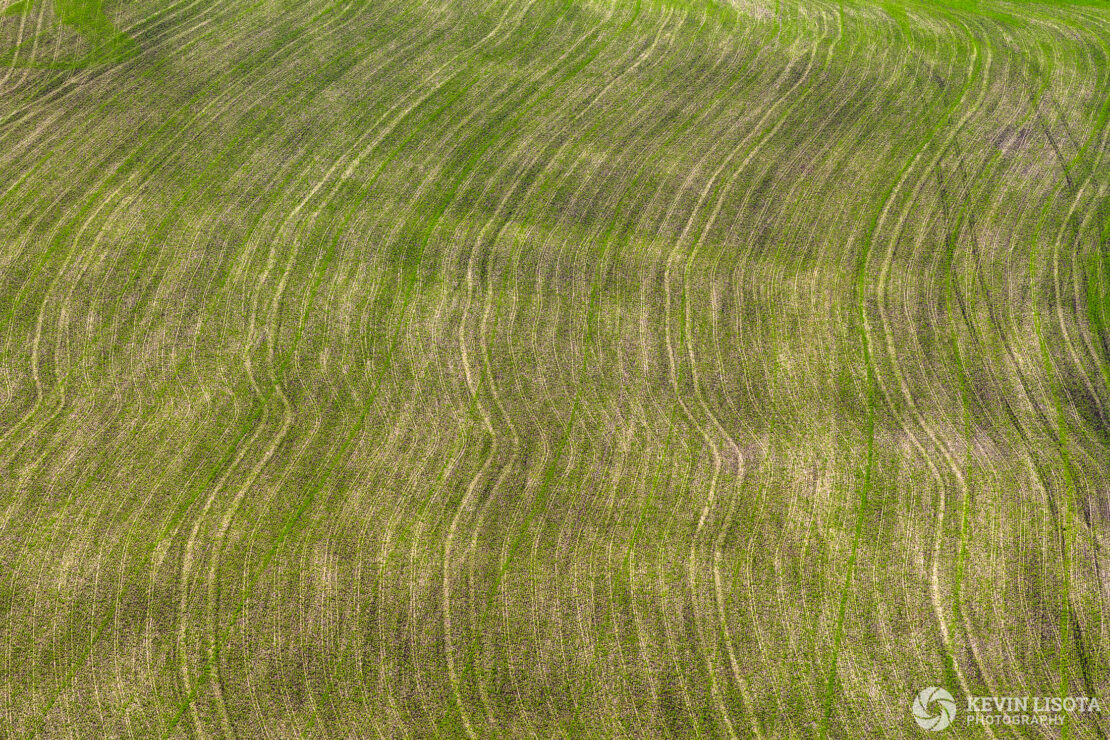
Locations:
{"points": [[551, 368]]}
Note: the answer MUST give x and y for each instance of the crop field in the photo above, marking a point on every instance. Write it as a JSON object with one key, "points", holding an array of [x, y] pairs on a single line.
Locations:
{"points": [[552, 368]]}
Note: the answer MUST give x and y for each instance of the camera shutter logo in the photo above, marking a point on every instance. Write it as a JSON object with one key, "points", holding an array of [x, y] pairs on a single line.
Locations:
{"points": [[934, 708]]}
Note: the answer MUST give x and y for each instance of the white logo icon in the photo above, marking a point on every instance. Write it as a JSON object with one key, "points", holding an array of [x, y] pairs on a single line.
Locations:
{"points": [[934, 708]]}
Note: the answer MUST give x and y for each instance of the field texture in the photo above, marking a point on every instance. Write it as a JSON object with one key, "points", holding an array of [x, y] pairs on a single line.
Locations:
{"points": [[551, 368]]}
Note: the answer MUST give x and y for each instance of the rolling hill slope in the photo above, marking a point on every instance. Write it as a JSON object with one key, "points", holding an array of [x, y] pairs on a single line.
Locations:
{"points": [[551, 368]]}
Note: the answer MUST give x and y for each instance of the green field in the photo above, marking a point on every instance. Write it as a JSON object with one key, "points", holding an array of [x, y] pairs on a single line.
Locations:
{"points": [[552, 368]]}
